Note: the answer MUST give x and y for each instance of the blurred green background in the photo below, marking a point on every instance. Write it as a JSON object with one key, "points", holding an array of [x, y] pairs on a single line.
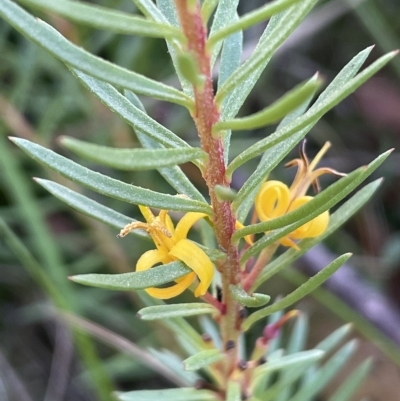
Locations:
{"points": [[40, 100]]}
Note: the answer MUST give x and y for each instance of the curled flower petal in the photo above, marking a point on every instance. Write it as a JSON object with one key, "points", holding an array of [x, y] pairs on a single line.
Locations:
{"points": [[186, 223], [314, 227], [197, 260], [247, 238], [147, 261], [172, 245], [272, 200], [311, 229]]}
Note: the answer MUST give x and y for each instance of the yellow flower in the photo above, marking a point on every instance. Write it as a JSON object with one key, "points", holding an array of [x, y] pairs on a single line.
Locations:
{"points": [[275, 199], [172, 245]]}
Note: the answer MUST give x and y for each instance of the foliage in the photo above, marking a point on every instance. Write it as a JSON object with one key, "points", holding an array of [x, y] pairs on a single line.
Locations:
{"points": [[238, 256]]}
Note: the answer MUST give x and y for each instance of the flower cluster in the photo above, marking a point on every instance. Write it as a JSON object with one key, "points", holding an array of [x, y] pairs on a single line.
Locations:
{"points": [[276, 199], [172, 245]]}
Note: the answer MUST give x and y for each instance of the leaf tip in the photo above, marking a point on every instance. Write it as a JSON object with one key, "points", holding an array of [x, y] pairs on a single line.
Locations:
{"points": [[61, 140]]}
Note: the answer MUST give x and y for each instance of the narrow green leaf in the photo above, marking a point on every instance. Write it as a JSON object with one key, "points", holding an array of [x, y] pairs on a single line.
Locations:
{"points": [[330, 196], [223, 16], [274, 155], [276, 111], [168, 12], [175, 310], [177, 325], [249, 300], [324, 375], [233, 101], [331, 341], [310, 118], [173, 175], [350, 385], [207, 8], [250, 19], [129, 112], [265, 379], [341, 189], [277, 36], [203, 359], [296, 343], [134, 281], [230, 56], [174, 363], [90, 207], [150, 10], [313, 283], [106, 185], [131, 159], [304, 358], [171, 394], [234, 391], [346, 313], [105, 18], [282, 385], [338, 218], [51, 40]]}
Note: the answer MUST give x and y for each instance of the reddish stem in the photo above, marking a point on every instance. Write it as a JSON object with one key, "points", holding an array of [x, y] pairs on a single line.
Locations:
{"points": [[205, 115]]}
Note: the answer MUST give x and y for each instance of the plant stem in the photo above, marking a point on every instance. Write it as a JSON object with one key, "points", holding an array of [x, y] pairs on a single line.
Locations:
{"points": [[205, 115], [263, 259]]}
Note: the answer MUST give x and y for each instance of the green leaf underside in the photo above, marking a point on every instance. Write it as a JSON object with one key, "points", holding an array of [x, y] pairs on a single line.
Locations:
{"points": [[173, 175], [51, 40], [249, 300], [150, 10], [276, 111], [106, 185], [136, 280], [223, 16], [326, 373], [350, 385], [131, 159], [129, 112], [266, 49], [274, 155], [313, 283], [203, 359], [335, 338], [90, 207], [342, 214], [352, 181], [233, 101], [311, 117], [231, 57], [250, 19], [172, 394], [304, 358], [167, 12], [176, 310], [105, 18]]}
